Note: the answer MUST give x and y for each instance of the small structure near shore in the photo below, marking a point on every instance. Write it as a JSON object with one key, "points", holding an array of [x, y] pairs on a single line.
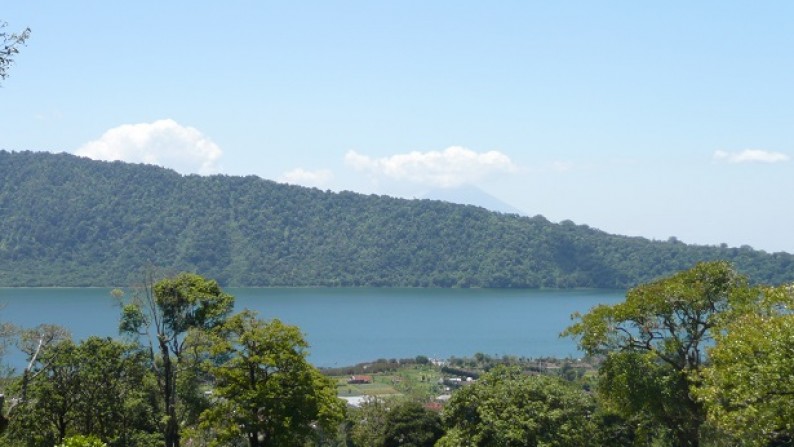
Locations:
{"points": [[359, 380]]}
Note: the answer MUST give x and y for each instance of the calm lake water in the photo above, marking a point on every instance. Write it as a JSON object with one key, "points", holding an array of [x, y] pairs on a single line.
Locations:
{"points": [[347, 326]]}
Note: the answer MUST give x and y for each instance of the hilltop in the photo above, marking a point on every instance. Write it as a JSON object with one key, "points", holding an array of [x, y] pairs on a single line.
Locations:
{"points": [[71, 221]]}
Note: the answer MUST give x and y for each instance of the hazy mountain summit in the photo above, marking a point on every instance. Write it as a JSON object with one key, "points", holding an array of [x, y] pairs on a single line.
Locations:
{"points": [[472, 195]]}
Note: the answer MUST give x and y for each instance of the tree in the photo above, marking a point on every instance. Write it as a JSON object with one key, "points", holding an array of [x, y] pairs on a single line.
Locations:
{"points": [[409, 424], [10, 48], [166, 311], [116, 395], [266, 392], [507, 408], [33, 343], [97, 387], [654, 342], [748, 387], [368, 423], [7, 334], [614, 430], [255, 232], [82, 441], [49, 388]]}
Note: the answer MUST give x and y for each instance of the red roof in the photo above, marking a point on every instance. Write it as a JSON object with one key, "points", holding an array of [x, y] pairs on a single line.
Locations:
{"points": [[434, 406], [361, 379]]}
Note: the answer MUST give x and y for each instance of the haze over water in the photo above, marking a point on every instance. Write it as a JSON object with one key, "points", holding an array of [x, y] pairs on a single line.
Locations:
{"points": [[345, 326]]}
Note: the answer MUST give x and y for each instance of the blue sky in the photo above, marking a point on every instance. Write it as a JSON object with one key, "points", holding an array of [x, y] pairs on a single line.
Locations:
{"points": [[650, 119]]}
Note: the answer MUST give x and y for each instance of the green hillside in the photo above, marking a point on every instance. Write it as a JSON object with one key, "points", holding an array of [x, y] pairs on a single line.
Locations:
{"points": [[72, 221]]}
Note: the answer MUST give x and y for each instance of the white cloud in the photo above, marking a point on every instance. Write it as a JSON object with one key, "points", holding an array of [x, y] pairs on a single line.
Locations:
{"points": [[165, 143], [750, 156], [300, 176], [452, 167]]}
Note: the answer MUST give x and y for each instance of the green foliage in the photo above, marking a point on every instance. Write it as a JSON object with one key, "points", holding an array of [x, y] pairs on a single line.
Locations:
{"points": [[179, 310], [8, 335], [507, 408], [670, 318], [655, 386], [71, 221], [379, 422], [97, 387], [748, 387], [614, 430], [635, 386], [190, 301], [133, 320], [409, 424], [655, 344], [82, 441], [368, 423], [266, 391]]}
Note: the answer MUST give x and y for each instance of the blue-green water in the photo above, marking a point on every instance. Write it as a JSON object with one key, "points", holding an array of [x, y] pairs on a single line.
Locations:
{"points": [[347, 326]]}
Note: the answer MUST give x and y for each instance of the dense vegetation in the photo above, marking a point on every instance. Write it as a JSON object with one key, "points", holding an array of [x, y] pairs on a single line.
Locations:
{"points": [[70, 221], [188, 373], [697, 359]]}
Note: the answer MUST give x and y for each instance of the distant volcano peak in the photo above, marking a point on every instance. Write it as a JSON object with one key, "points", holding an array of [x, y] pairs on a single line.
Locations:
{"points": [[472, 195]]}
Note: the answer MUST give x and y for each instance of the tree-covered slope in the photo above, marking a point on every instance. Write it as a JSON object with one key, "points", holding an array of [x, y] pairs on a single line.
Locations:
{"points": [[71, 221]]}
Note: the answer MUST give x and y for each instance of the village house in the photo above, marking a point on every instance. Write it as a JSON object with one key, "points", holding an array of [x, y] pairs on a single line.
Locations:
{"points": [[359, 380]]}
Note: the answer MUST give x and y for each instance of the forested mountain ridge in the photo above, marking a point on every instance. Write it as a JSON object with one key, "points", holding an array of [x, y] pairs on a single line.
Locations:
{"points": [[71, 221]]}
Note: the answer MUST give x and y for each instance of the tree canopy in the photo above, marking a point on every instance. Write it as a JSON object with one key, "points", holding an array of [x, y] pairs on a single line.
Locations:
{"points": [[167, 311], [697, 358], [70, 221], [409, 424], [748, 386], [655, 344], [266, 392], [506, 408], [98, 386]]}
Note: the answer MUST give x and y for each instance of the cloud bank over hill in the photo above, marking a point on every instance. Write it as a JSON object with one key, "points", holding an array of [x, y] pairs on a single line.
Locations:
{"points": [[320, 178], [164, 143], [452, 167]]}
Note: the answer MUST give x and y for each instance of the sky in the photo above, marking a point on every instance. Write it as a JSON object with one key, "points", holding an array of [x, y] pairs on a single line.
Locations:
{"points": [[651, 119]]}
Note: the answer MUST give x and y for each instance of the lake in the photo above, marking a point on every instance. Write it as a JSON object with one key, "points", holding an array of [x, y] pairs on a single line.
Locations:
{"points": [[345, 326]]}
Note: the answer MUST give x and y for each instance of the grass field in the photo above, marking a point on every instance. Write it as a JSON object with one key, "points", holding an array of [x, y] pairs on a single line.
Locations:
{"points": [[421, 381], [416, 381]]}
